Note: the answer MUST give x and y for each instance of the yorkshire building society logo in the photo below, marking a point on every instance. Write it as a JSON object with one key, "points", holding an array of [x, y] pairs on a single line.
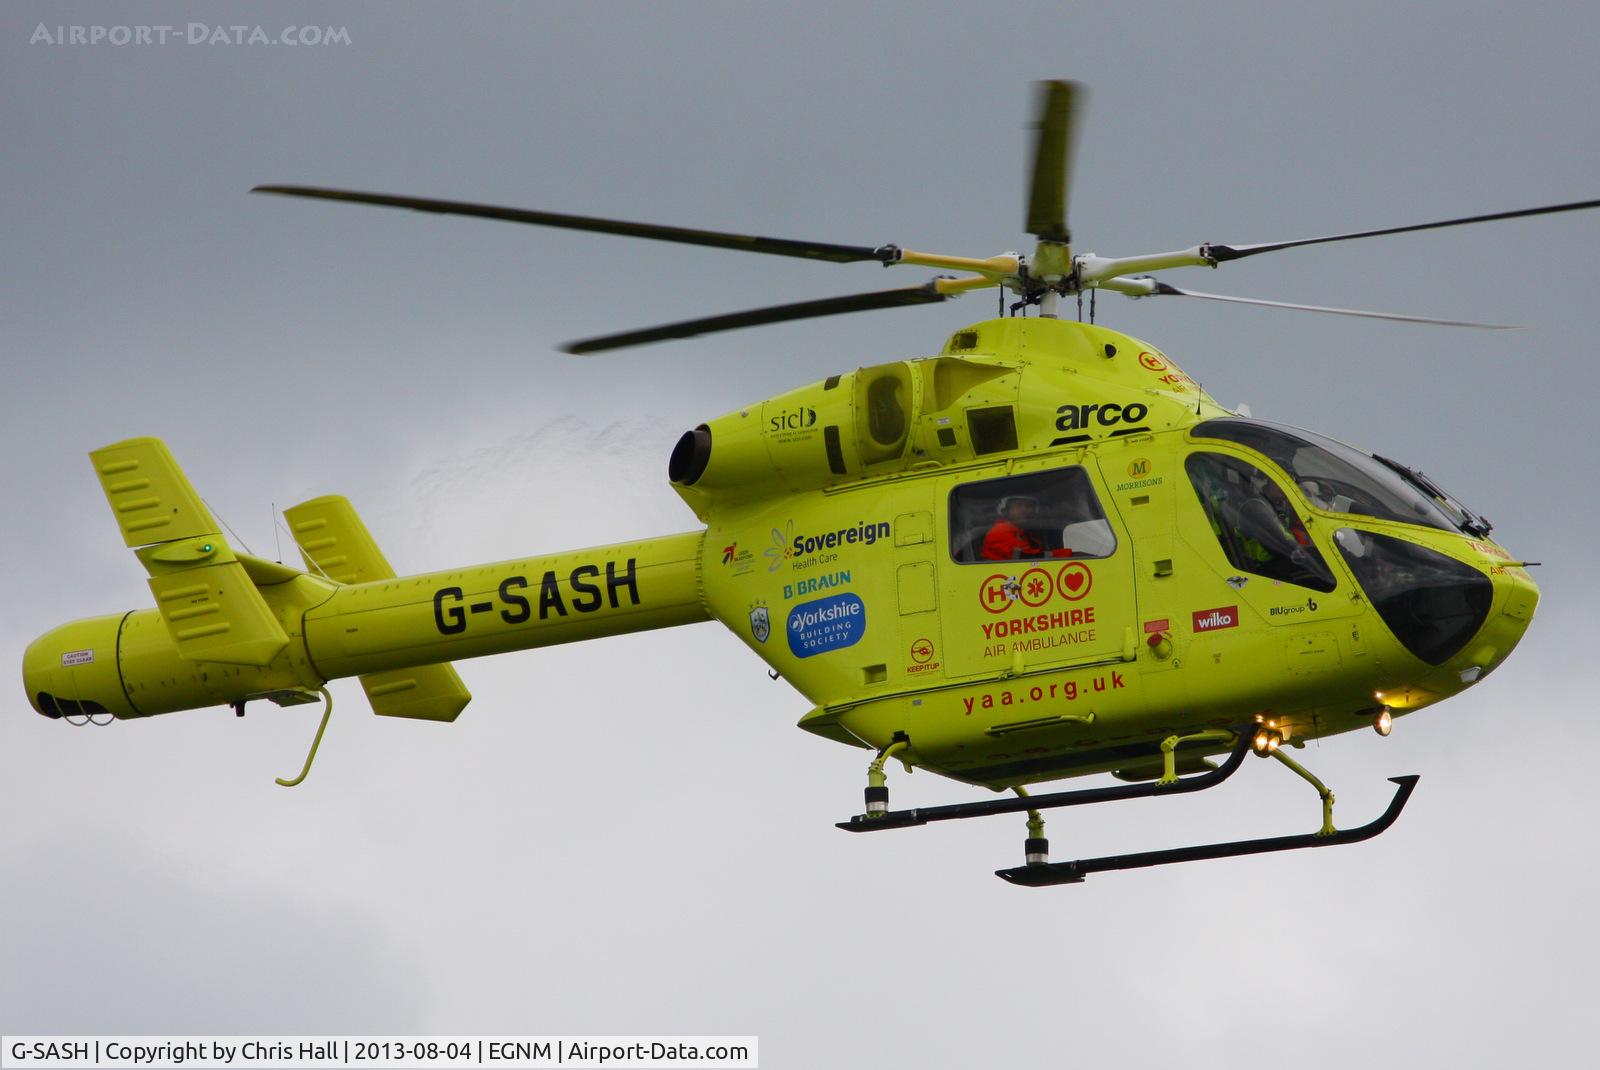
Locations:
{"points": [[760, 623], [826, 624]]}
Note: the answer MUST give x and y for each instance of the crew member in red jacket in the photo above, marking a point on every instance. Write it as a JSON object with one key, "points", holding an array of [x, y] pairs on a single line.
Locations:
{"points": [[1009, 539]]}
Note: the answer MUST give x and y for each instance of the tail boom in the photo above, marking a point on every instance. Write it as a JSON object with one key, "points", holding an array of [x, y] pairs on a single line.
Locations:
{"points": [[128, 665]]}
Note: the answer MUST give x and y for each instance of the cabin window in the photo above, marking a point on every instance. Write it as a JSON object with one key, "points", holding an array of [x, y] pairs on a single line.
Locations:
{"points": [[1053, 514], [1259, 530]]}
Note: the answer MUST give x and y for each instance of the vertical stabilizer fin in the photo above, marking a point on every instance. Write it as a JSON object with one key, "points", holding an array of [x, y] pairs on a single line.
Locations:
{"points": [[335, 542]]}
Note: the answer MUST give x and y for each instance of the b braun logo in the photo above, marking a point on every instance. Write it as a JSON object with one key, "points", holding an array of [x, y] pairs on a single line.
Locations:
{"points": [[1209, 620]]}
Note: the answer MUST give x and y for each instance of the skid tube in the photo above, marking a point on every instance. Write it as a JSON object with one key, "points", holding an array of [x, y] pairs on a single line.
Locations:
{"points": [[1043, 876], [923, 815]]}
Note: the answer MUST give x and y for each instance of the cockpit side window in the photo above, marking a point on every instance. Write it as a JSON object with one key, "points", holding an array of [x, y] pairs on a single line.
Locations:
{"points": [[1259, 530], [1334, 476], [1042, 514]]}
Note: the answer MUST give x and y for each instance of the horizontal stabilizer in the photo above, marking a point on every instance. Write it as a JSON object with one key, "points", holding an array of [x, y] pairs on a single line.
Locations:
{"points": [[208, 602], [335, 542], [425, 693], [149, 494]]}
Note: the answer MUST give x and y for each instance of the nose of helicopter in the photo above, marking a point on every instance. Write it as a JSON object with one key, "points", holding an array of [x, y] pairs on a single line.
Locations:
{"points": [[1444, 610], [1516, 597]]}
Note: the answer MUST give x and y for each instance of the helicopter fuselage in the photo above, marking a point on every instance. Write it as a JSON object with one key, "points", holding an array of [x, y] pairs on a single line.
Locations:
{"points": [[1033, 556], [849, 546]]}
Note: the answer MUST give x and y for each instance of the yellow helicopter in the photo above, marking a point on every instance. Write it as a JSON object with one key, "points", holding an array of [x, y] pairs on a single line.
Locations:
{"points": [[1043, 553]]}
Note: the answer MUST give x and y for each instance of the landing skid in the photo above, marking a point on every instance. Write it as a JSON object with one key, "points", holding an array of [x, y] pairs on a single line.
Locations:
{"points": [[899, 819], [1043, 876], [1040, 872]]}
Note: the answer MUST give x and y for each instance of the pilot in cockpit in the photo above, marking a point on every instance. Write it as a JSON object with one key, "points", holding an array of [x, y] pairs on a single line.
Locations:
{"points": [[1010, 538]]}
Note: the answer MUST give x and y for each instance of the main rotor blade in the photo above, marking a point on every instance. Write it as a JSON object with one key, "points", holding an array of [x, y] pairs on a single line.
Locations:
{"points": [[1239, 252], [1162, 288], [1059, 103], [837, 254], [827, 306]]}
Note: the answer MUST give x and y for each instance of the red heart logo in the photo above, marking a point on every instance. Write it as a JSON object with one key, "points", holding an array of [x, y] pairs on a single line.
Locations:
{"points": [[1075, 581]]}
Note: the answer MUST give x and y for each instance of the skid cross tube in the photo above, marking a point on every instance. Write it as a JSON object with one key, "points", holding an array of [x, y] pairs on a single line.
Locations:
{"points": [[1075, 872], [899, 819]]}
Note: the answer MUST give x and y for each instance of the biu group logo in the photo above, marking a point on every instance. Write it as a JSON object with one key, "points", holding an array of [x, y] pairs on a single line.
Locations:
{"points": [[826, 624]]}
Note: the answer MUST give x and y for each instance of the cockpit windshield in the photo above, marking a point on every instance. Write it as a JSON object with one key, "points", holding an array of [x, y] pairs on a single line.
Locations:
{"points": [[1341, 479]]}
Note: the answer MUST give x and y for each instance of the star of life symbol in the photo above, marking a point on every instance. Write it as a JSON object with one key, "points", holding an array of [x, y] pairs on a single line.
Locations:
{"points": [[760, 623]]}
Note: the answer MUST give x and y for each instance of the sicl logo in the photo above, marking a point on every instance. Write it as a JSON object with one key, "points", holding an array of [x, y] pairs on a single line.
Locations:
{"points": [[795, 419], [1209, 620]]}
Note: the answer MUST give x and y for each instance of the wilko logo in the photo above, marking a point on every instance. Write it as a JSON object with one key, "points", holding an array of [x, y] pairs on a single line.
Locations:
{"points": [[1209, 620]]}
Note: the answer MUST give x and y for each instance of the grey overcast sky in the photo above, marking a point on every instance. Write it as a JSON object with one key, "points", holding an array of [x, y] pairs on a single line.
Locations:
{"points": [[631, 836]]}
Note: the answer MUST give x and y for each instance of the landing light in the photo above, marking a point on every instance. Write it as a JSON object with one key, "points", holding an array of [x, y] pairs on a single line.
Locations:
{"points": [[1383, 724], [1265, 742]]}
